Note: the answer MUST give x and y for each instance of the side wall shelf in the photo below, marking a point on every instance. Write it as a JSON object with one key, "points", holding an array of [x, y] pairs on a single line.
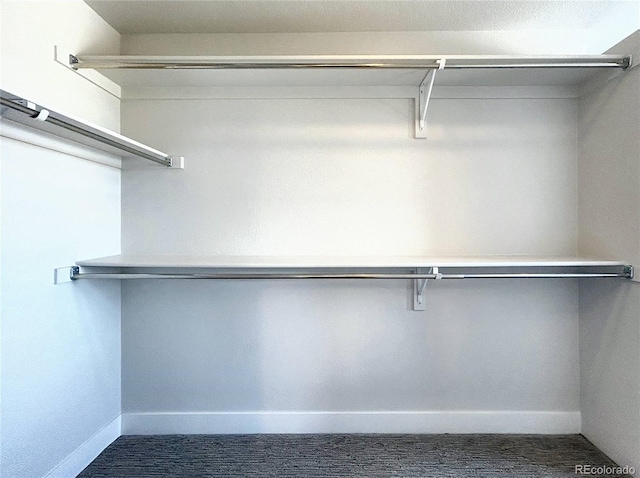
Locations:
{"points": [[23, 111]]}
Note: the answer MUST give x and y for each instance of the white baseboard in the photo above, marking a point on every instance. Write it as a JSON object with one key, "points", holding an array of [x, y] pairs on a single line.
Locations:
{"points": [[351, 422], [315, 422], [87, 452]]}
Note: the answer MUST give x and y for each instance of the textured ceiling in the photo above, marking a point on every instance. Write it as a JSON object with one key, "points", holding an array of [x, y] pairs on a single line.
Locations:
{"points": [[284, 16]]}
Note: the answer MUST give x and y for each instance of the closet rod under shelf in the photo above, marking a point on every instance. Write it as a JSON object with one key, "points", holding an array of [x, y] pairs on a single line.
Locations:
{"points": [[76, 274], [111, 139], [364, 62]]}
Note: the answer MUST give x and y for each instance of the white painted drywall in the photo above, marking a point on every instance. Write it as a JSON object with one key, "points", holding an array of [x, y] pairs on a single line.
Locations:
{"points": [[348, 347], [346, 177], [60, 343], [30, 30], [609, 364], [609, 170], [60, 349], [512, 42], [609, 225], [339, 176]]}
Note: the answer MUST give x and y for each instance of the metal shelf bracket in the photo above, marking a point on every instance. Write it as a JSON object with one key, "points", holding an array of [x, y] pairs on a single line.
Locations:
{"points": [[424, 95], [419, 286]]}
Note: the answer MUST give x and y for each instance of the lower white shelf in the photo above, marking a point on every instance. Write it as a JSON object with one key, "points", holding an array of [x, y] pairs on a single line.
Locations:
{"points": [[420, 269], [357, 267]]}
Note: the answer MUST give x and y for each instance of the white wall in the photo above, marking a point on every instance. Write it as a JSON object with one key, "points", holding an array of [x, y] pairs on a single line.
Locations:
{"points": [[511, 42], [609, 225], [327, 176], [60, 349], [609, 364], [345, 177], [30, 30], [297, 354], [60, 343]]}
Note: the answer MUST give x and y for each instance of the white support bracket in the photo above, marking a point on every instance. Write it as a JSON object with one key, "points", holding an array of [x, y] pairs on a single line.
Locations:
{"points": [[64, 274], [424, 95], [419, 285], [41, 115]]}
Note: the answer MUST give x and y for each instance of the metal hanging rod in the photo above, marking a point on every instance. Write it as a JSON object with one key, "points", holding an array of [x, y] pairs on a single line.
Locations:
{"points": [[419, 277], [41, 115], [627, 273], [135, 275], [363, 62]]}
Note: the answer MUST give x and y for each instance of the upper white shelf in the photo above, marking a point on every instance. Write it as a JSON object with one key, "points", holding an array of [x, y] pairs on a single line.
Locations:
{"points": [[346, 262], [347, 70]]}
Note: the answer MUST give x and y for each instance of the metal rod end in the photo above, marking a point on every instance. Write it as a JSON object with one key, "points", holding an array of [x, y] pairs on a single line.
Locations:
{"points": [[75, 271], [73, 61], [628, 272]]}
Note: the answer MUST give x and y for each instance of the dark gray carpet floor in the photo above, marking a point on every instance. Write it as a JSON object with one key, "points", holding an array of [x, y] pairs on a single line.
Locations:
{"points": [[328, 456]]}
